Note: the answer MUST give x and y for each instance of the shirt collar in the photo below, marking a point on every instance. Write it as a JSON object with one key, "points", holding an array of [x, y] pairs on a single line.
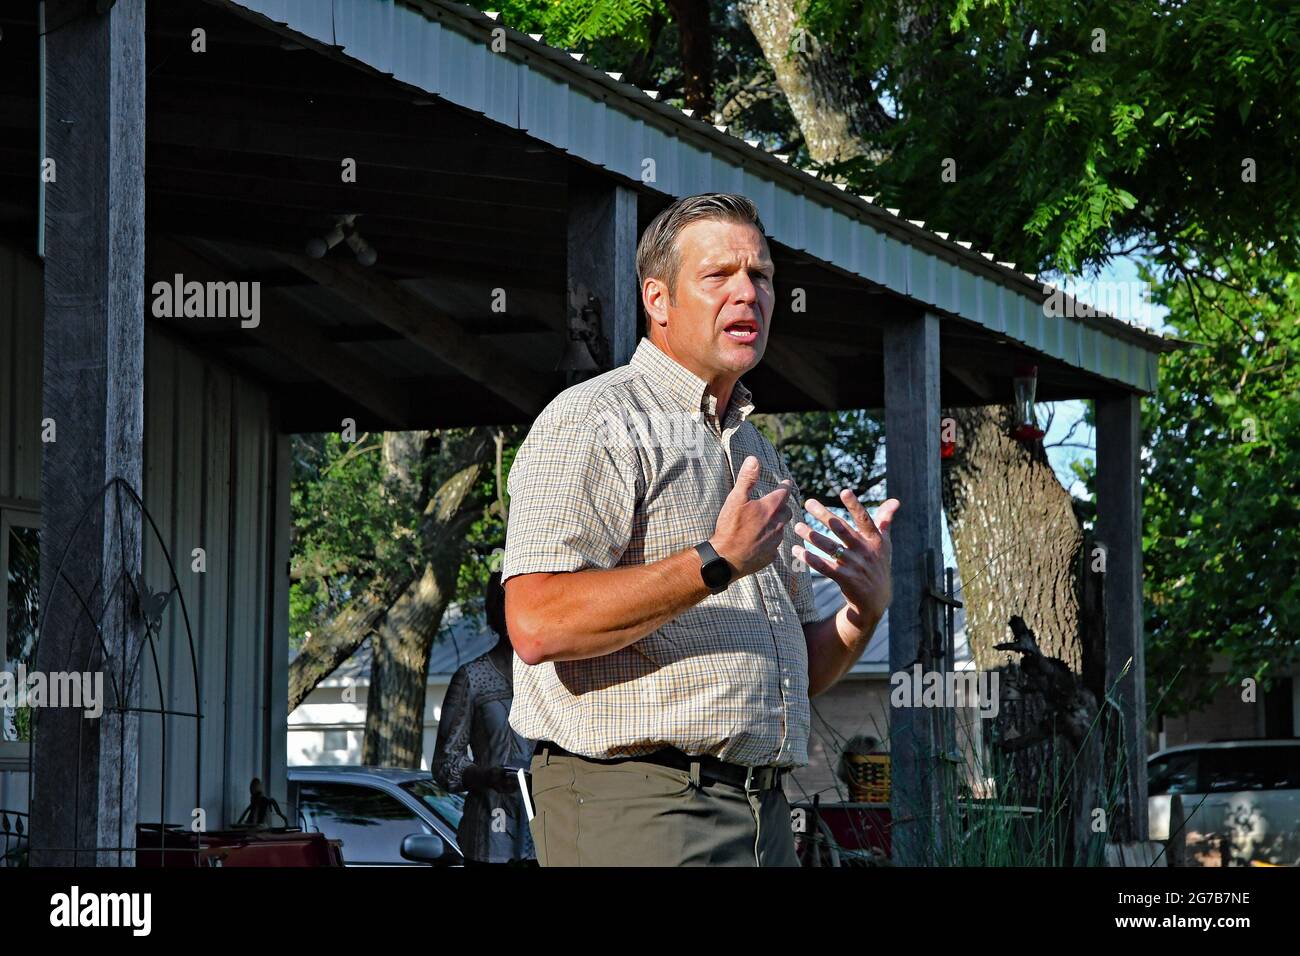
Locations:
{"points": [[685, 386]]}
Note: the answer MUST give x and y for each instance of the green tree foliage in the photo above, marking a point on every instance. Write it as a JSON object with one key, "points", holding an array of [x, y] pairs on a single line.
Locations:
{"points": [[349, 526], [357, 525], [827, 451], [1079, 128], [1222, 482], [640, 40]]}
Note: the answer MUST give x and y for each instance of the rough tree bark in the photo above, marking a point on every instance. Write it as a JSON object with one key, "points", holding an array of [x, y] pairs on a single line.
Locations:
{"points": [[442, 531], [334, 643], [1016, 537], [401, 646], [1061, 746], [695, 47], [837, 116]]}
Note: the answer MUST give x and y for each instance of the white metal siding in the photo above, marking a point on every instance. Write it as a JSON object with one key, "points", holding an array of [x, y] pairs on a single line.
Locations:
{"points": [[213, 474]]}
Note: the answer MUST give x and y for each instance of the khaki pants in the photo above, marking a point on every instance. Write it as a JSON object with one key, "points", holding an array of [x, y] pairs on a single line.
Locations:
{"points": [[633, 813]]}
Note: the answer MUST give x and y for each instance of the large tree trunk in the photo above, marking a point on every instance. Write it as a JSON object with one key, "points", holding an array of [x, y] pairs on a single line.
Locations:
{"points": [[1016, 536], [334, 643], [1013, 526], [836, 114], [443, 530], [695, 47], [401, 646]]}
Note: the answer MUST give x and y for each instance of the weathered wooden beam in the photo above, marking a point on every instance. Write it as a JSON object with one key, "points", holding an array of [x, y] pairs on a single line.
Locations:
{"points": [[248, 224], [602, 260], [425, 164], [912, 476], [790, 360], [387, 302], [977, 382], [438, 402], [399, 193], [295, 339], [1119, 528], [86, 776]]}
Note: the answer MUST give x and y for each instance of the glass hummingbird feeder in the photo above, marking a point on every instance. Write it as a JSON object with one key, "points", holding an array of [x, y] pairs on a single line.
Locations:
{"points": [[1025, 384]]}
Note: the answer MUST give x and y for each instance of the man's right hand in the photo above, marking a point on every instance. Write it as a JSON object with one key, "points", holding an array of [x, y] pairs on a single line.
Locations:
{"points": [[749, 532]]}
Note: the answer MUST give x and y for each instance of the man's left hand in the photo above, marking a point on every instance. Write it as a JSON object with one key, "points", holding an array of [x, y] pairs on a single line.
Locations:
{"points": [[859, 560]]}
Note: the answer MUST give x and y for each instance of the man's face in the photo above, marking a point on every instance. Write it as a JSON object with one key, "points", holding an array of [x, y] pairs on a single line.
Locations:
{"points": [[718, 323]]}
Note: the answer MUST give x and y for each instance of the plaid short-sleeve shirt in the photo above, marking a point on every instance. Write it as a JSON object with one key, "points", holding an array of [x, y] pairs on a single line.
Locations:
{"points": [[630, 467]]}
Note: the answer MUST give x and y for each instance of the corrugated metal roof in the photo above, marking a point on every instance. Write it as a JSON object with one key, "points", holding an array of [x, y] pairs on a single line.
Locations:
{"points": [[444, 49]]}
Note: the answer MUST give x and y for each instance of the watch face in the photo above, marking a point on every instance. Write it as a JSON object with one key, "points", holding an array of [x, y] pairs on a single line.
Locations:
{"points": [[716, 573]]}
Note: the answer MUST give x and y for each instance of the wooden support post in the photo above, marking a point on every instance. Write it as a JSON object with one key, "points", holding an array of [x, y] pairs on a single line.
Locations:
{"points": [[602, 261], [1119, 528], [912, 476], [86, 770]]}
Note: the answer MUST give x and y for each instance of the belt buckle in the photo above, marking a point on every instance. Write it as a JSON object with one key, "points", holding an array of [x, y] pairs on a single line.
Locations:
{"points": [[752, 780]]}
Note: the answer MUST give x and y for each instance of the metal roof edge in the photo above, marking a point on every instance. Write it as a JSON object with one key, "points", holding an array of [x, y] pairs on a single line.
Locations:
{"points": [[566, 68], [835, 195]]}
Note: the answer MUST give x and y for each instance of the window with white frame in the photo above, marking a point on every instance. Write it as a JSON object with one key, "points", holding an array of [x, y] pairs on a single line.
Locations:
{"points": [[20, 575]]}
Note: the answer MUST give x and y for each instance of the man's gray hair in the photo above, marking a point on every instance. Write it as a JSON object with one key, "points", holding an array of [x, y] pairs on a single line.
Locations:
{"points": [[657, 254]]}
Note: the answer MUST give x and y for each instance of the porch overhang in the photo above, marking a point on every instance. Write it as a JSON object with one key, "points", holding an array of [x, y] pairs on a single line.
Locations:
{"points": [[446, 49]]}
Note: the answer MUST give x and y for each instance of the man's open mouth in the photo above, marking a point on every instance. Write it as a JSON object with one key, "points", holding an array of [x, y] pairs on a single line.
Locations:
{"points": [[744, 330]]}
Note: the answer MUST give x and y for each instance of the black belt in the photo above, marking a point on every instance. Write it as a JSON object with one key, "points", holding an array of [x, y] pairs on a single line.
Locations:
{"points": [[712, 770]]}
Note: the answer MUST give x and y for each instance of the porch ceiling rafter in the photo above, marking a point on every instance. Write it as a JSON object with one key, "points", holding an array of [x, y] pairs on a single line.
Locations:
{"points": [[290, 336], [390, 304]]}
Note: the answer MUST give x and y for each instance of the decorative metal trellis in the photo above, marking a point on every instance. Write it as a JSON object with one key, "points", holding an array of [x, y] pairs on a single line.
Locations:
{"points": [[139, 615]]}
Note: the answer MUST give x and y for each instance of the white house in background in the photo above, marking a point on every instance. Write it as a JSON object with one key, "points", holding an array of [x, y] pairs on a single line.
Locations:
{"points": [[327, 728]]}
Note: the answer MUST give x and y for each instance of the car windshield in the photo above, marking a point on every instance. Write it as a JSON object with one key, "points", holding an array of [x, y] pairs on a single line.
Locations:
{"points": [[449, 806]]}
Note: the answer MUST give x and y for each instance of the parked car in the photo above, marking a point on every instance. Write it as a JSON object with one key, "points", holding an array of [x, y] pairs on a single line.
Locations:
{"points": [[1245, 790], [383, 816]]}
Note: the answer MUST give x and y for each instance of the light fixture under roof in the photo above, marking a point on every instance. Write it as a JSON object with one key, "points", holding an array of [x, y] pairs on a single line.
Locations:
{"points": [[344, 230]]}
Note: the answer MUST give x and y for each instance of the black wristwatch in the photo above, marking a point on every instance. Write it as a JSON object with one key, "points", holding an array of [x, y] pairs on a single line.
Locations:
{"points": [[714, 568]]}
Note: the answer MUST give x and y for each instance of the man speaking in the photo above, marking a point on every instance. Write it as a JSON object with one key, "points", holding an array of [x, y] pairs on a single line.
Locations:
{"points": [[659, 602]]}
